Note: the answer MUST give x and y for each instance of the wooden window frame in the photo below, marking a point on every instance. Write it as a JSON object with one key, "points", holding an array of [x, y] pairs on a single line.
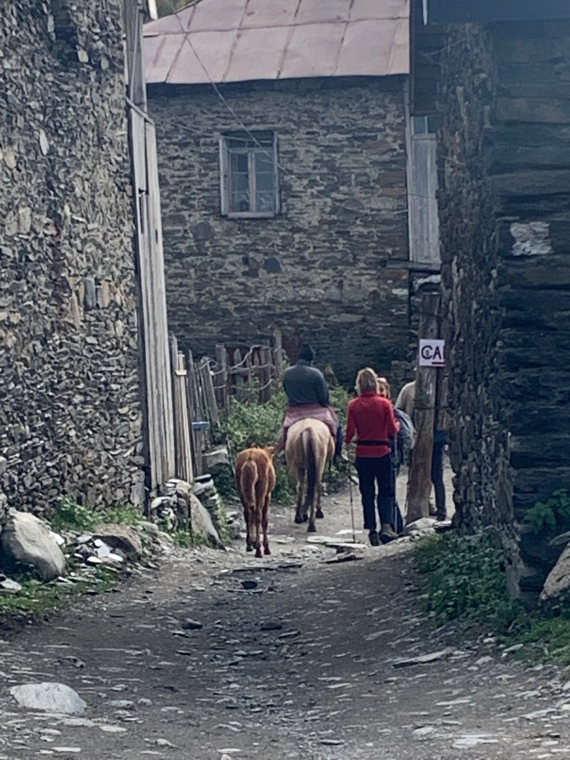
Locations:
{"points": [[226, 178]]}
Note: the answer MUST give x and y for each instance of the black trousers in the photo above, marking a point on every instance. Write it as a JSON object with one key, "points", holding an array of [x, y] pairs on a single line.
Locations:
{"points": [[441, 439], [377, 487]]}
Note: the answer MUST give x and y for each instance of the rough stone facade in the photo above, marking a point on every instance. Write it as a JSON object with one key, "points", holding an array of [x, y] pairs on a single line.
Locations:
{"points": [[504, 177], [70, 416], [331, 268]]}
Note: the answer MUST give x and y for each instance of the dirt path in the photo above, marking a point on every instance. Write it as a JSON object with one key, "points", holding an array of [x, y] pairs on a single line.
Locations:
{"points": [[301, 665]]}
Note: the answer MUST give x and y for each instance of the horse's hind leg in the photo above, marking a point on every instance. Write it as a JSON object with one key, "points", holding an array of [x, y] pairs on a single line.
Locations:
{"points": [[320, 513], [248, 529], [257, 538], [264, 524], [301, 513]]}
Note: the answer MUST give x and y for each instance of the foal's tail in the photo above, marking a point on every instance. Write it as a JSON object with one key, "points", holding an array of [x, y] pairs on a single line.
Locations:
{"points": [[247, 480], [312, 467]]}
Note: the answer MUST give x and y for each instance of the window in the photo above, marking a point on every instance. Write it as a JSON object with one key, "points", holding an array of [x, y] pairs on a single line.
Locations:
{"points": [[249, 182]]}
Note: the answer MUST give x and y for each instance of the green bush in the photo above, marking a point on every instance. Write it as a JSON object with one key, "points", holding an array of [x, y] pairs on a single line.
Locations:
{"points": [[550, 514], [466, 581]]}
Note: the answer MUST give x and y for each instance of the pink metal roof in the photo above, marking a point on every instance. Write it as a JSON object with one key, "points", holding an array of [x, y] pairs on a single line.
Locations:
{"points": [[240, 40]]}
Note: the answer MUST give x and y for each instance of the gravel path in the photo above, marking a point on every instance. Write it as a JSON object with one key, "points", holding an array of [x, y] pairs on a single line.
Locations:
{"points": [[303, 664]]}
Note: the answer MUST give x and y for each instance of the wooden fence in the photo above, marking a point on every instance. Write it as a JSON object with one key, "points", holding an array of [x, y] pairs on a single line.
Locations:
{"points": [[202, 391]]}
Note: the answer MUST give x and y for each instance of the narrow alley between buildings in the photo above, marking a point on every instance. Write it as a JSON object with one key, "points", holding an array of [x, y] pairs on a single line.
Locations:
{"points": [[219, 656]]}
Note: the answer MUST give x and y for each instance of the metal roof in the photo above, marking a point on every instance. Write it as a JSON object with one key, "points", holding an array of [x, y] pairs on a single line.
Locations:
{"points": [[240, 40]]}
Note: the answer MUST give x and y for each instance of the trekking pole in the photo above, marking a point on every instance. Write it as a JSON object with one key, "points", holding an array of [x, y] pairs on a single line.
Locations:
{"points": [[351, 506]]}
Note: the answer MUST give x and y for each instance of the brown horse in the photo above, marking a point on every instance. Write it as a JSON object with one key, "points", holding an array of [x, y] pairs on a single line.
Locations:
{"points": [[309, 447], [255, 479]]}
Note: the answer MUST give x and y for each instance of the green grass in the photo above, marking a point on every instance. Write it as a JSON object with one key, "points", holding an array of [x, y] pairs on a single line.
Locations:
{"points": [[465, 581], [69, 515], [547, 640], [37, 599]]}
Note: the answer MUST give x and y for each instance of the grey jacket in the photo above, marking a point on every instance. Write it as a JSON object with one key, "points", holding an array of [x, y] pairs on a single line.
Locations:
{"points": [[305, 384]]}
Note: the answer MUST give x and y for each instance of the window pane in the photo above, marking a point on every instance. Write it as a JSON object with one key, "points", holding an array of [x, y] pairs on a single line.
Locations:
{"points": [[264, 181], [239, 182]]}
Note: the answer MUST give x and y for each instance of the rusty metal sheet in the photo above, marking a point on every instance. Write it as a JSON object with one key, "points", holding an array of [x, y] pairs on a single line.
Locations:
{"points": [[241, 40], [312, 51], [258, 52], [261, 13]]}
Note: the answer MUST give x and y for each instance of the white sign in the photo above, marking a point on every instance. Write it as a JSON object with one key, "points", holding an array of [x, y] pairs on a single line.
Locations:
{"points": [[432, 353]]}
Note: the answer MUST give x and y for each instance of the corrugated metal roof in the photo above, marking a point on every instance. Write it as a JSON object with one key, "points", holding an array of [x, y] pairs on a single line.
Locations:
{"points": [[241, 40]]}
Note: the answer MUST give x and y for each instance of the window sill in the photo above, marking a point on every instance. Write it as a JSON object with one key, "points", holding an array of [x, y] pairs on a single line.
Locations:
{"points": [[250, 215]]}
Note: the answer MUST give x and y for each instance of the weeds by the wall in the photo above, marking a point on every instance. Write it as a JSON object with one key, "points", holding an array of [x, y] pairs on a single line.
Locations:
{"points": [[466, 581], [69, 515], [551, 514]]}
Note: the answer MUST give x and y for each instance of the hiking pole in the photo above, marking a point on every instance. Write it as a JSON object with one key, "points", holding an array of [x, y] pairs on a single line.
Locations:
{"points": [[351, 505]]}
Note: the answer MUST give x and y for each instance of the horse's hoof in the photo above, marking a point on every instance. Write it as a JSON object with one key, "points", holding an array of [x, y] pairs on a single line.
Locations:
{"points": [[312, 528], [298, 519], [267, 550], [258, 554], [320, 514], [305, 518], [249, 548]]}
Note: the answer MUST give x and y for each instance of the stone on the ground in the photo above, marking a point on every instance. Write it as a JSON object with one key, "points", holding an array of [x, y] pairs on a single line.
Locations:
{"points": [[8, 586], [558, 579], [48, 696], [191, 625], [215, 458], [422, 659], [25, 542], [422, 527], [202, 522], [120, 537]]}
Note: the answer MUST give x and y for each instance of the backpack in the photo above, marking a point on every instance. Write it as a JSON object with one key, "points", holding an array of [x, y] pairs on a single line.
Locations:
{"points": [[407, 434]]}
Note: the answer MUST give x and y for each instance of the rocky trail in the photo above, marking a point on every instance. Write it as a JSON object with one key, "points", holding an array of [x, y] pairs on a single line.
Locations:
{"points": [[220, 656]]}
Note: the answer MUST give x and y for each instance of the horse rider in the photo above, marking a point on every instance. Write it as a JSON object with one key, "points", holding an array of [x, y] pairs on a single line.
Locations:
{"points": [[308, 396]]}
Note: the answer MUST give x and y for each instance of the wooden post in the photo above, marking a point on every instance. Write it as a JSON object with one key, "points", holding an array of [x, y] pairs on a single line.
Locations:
{"points": [[419, 484], [278, 354], [223, 391]]}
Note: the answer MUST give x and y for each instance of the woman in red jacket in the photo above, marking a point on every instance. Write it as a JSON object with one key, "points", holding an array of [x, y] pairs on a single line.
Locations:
{"points": [[370, 418]]}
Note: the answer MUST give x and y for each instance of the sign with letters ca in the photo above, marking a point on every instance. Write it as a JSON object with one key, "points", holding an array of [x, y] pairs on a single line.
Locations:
{"points": [[432, 353]]}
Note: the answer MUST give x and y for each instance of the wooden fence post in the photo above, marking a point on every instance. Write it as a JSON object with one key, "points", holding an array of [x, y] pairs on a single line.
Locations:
{"points": [[419, 484], [223, 390]]}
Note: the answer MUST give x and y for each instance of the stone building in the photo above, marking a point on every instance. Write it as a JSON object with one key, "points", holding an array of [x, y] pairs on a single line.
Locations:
{"points": [[70, 416], [497, 76], [284, 154]]}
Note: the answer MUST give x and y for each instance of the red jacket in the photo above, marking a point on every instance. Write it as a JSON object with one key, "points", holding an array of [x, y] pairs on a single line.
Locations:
{"points": [[371, 417]]}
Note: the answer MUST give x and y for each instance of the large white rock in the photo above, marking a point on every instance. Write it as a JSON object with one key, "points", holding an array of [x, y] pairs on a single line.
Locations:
{"points": [[48, 696], [558, 579], [26, 542]]}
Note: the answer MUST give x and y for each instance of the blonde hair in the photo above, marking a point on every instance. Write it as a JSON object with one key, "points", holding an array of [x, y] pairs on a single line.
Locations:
{"points": [[384, 388], [366, 380]]}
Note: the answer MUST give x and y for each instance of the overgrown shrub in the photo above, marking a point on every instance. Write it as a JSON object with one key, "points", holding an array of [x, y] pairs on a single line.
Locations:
{"points": [[550, 514], [466, 581]]}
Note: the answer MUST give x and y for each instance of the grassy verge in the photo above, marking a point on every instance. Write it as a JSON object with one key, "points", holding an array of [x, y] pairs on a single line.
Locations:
{"points": [[39, 600], [465, 582]]}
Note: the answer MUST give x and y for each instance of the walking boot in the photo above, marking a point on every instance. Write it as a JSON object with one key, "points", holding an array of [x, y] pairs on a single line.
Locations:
{"points": [[387, 534], [374, 538]]}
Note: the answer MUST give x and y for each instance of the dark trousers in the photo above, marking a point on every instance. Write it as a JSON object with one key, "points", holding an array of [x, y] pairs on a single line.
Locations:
{"points": [[440, 440], [376, 472]]}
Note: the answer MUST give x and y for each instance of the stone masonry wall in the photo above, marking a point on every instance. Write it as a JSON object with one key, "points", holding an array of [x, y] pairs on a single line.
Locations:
{"points": [[331, 267], [70, 417], [504, 178]]}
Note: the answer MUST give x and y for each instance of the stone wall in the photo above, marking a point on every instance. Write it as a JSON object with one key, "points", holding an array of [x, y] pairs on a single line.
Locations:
{"points": [[504, 165], [70, 418], [331, 268]]}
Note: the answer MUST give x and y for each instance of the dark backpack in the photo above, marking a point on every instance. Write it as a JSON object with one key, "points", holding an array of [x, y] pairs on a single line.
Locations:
{"points": [[405, 439]]}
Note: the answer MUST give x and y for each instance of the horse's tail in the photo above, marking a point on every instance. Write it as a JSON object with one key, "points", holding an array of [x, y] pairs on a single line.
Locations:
{"points": [[247, 481], [311, 452]]}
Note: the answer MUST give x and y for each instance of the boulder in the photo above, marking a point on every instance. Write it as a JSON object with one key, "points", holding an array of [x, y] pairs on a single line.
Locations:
{"points": [[202, 522], [558, 580], [26, 543], [422, 527], [120, 537], [48, 696]]}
